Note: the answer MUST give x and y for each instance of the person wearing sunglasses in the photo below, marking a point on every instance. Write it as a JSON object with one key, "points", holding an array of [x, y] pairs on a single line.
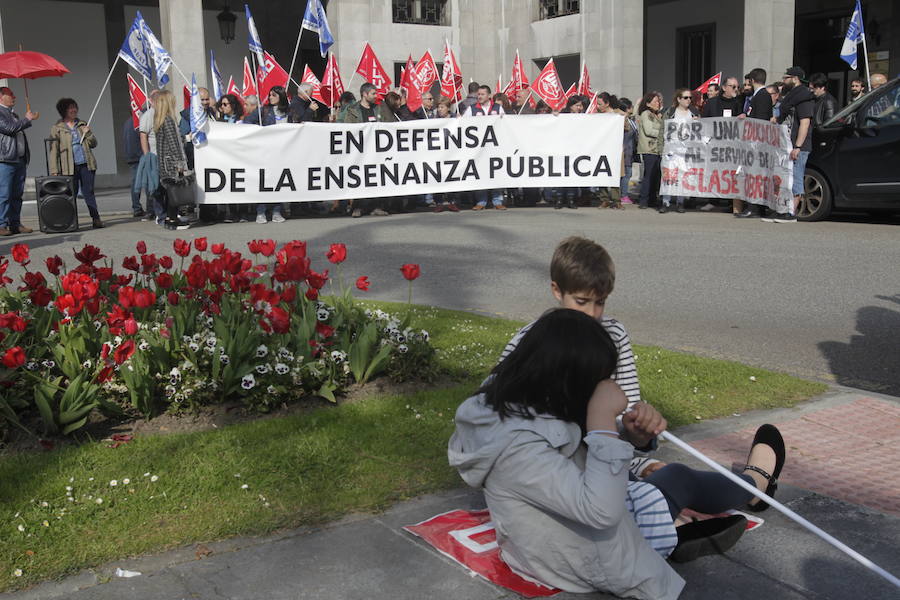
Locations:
{"points": [[230, 109], [726, 104], [682, 109]]}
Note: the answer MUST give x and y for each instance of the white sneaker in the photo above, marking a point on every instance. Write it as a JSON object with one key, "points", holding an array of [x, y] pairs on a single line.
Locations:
{"points": [[277, 218], [708, 207], [261, 219]]}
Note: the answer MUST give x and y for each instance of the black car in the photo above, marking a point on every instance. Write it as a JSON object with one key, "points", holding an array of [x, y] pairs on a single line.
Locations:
{"points": [[855, 160]]}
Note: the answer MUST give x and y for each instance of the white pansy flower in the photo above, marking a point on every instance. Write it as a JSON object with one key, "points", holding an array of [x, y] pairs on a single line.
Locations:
{"points": [[224, 359], [248, 381], [281, 368], [403, 348], [193, 346], [261, 351], [322, 314]]}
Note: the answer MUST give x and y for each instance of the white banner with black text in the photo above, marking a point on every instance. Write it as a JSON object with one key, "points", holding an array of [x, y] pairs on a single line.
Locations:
{"points": [[727, 157], [333, 161]]}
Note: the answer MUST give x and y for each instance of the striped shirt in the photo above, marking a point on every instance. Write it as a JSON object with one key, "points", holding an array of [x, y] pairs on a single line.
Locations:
{"points": [[651, 513], [625, 375]]}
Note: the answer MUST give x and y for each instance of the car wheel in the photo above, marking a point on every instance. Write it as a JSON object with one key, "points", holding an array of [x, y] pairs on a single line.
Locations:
{"points": [[815, 204]]}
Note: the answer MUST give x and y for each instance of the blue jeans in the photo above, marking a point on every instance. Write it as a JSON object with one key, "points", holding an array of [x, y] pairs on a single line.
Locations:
{"points": [[135, 195], [261, 209], [84, 179], [481, 197], [623, 183], [12, 185], [799, 170], [667, 200]]}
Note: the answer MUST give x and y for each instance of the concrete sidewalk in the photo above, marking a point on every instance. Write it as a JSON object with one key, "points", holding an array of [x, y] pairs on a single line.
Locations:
{"points": [[366, 556]]}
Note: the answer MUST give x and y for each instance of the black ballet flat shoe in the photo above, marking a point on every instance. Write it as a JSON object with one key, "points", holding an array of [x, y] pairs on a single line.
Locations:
{"points": [[712, 536], [771, 437]]}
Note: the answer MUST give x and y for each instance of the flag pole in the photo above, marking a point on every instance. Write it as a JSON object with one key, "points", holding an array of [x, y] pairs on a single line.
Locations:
{"points": [[782, 508], [103, 89], [258, 89], [530, 91], [294, 57], [865, 55]]}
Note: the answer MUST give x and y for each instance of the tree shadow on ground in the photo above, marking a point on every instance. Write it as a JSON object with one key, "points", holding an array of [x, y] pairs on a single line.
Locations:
{"points": [[869, 360]]}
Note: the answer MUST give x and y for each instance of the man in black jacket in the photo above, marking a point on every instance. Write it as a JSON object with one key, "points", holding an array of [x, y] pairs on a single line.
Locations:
{"points": [[14, 157], [798, 105], [826, 104], [726, 104], [759, 106]]}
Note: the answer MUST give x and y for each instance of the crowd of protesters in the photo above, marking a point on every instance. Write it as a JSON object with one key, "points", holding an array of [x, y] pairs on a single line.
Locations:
{"points": [[160, 148]]}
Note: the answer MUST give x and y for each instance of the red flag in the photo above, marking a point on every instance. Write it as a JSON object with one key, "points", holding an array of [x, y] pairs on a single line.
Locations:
{"points": [[426, 72], [249, 82], [584, 84], [592, 108], [573, 89], [497, 89], [371, 70], [548, 87], [716, 79], [408, 82], [233, 88], [519, 78], [138, 100], [451, 76], [310, 78], [273, 74], [186, 93], [332, 85]]}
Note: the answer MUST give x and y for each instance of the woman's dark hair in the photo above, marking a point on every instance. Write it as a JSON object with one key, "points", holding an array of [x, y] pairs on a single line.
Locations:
{"points": [[237, 108], [554, 368], [572, 102], [541, 107], [347, 98], [282, 97], [62, 107], [647, 99], [625, 104]]}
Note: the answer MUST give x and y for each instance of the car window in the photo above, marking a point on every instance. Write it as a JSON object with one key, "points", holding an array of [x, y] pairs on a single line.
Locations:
{"points": [[884, 111], [845, 116]]}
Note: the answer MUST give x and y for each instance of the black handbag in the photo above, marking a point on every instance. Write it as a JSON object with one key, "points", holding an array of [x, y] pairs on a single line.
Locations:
{"points": [[181, 190]]}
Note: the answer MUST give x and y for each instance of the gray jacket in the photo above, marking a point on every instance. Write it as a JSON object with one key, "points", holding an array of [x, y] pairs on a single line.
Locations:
{"points": [[558, 504], [9, 127]]}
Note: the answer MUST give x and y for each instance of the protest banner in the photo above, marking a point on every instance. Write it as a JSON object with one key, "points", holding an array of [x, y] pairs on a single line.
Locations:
{"points": [[331, 161], [726, 157]]}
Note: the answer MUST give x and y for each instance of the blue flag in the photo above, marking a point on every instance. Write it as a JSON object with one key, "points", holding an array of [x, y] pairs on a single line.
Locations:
{"points": [[855, 35], [155, 49], [134, 50], [253, 41], [314, 19], [199, 118], [218, 86]]}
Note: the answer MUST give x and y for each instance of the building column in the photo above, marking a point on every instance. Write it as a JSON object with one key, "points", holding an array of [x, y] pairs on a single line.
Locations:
{"points": [[768, 36], [612, 46], [182, 36]]}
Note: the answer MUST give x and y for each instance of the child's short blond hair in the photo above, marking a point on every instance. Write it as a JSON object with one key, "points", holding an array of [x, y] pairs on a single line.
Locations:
{"points": [[582, 265]]}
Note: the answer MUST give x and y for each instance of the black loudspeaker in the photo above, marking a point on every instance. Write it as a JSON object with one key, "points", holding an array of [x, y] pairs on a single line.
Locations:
{"points": [[56, 202]]}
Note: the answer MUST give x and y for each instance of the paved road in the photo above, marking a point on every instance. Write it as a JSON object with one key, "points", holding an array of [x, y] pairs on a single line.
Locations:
{"points": [[819, 300]]}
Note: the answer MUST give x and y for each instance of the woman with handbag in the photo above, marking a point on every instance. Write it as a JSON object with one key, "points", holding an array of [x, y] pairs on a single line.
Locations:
{"points": [[173, 168], [649, 145], [70, 154]]}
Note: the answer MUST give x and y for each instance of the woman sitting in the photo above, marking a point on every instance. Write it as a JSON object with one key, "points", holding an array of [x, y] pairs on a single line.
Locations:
{"points": [[542, 438]]}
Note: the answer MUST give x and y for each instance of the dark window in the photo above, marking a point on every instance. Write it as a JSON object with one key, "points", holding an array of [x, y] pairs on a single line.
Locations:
{"points": [[421, 12], [548, 9], [695, 55]]}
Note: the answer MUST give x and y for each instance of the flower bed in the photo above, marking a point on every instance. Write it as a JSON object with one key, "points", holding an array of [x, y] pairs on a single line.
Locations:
{"points": [[154, 336]]}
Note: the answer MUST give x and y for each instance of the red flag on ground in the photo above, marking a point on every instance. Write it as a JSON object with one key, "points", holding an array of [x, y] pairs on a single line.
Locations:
{"points": [[273, 74], [332, 85], [716, 79], [573, 89], [186, 93], [584, 84], [138, 100], [451, 76], [249, 88], [233, 88], [310, 78], [369, 67], [548, 88], [426, 72], [408, 82]]}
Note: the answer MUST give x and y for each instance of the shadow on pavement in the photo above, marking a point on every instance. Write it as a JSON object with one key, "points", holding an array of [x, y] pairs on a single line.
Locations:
{"points": [[869, 360]]}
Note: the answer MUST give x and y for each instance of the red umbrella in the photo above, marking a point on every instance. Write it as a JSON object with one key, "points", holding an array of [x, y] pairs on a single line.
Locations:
{"points": [[25, 64]]}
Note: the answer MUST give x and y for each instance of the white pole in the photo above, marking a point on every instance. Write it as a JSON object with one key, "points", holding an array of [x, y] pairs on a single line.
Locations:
{"points": [[530, 91], [782, 509], [103, 89], [183, 76], [294, 57], [258, 90], [866, 57]]}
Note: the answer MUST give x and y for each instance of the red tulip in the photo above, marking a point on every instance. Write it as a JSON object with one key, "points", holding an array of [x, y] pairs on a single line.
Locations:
{"points": [[165, 262], [104, 273], [312, 294], [164, 281], [141, 247], [218, 248], [41, 296], [53, 264], [124, 351], [410, 271], [317, 280], [294, 248], [200, 244], [131, 327], [182, 248], [336, 254], [362, 283], [4, 264], [20, 253], [326, 331], [126, 296], [89, 255], [289, 293], [14, 357], [264, 247], [196, 275], [131, 263], [33, 280], [144, 298], [173, 298]]}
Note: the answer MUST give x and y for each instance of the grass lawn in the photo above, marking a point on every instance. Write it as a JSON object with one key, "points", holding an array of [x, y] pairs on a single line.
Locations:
{"points": [[61, 512]]}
